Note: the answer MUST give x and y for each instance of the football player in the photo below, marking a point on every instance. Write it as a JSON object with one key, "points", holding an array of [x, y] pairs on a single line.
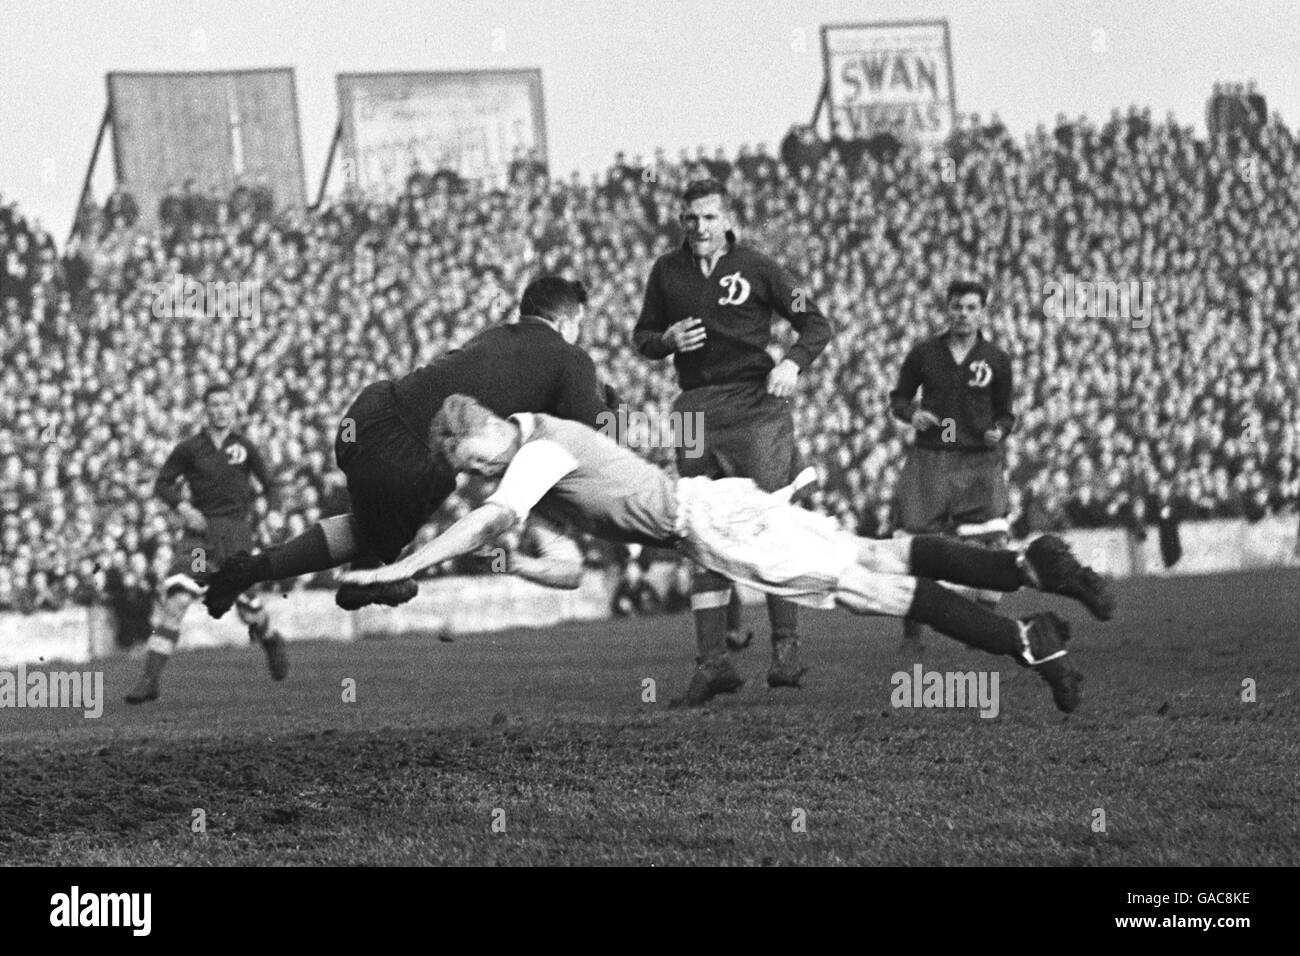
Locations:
{"points": [[710, 305], [219, 465], [952, 481], [573, 476], [394, 483]]}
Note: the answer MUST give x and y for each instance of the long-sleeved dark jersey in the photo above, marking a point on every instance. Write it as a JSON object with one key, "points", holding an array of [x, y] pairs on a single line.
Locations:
{"points": [[522, 367], [735, 303], [218, 478], [974, 395]]}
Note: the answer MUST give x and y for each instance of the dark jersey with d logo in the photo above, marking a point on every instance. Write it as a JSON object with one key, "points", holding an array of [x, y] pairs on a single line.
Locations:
{"points": [[736, 302], [968, 397], [218, 478]]}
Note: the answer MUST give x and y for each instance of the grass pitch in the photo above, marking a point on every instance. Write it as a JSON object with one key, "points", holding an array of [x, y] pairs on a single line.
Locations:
{"points": [[537, 746]]}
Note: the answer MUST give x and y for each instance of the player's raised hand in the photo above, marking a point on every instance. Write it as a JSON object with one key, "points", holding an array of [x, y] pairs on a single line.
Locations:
{"points": [[992, 436], [685, 336], [923, 419], [782, 379]]}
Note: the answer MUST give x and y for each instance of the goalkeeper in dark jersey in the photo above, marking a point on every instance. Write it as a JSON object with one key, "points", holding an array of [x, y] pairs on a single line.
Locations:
{"points": [[394, 483]]}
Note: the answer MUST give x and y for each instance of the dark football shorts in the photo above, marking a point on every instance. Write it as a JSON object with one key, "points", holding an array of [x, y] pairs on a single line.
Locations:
{"points": [[742, 432], [946, 492], [200, 554], [394, 483]]}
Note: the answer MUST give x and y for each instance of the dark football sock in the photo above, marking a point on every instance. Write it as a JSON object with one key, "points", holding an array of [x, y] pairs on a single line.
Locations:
{"points": [[783, 615], [710, 596], [305, 554], [963, 619], [735, 614], [162, 641], [154, 663], [943, 559]]}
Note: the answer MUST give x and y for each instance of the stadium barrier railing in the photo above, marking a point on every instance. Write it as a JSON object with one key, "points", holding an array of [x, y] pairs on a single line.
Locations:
{"points": [[461, 605]]}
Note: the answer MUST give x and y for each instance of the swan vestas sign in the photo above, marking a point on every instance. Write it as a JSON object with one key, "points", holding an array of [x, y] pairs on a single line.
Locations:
{"points": [[890, 78]]}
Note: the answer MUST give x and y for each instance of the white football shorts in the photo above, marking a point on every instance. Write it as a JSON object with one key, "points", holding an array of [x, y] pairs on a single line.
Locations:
{"points": [[730, 526]]}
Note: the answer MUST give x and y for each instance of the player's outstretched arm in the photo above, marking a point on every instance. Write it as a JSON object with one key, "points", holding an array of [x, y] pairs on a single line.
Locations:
{"points": [[480, 527], [558, 561]]}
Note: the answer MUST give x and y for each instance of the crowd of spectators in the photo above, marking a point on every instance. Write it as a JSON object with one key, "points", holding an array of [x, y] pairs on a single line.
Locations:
{"points": [[1191, 413]]}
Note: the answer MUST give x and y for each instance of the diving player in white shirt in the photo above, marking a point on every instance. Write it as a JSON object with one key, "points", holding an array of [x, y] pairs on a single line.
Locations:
{"points": [[571, 475]]}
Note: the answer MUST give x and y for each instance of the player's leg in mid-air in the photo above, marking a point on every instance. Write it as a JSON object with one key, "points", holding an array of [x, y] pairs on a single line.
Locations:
{"points": [[1037, 641], [751, 537], [195, 558], [995, 536], [957, 493], [394, 485], [1047, 565], [979, 503], [900, 577], [330, 543]]}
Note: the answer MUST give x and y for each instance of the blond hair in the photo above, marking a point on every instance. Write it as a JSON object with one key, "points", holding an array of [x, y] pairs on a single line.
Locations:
{"points": [[459, 417]]}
